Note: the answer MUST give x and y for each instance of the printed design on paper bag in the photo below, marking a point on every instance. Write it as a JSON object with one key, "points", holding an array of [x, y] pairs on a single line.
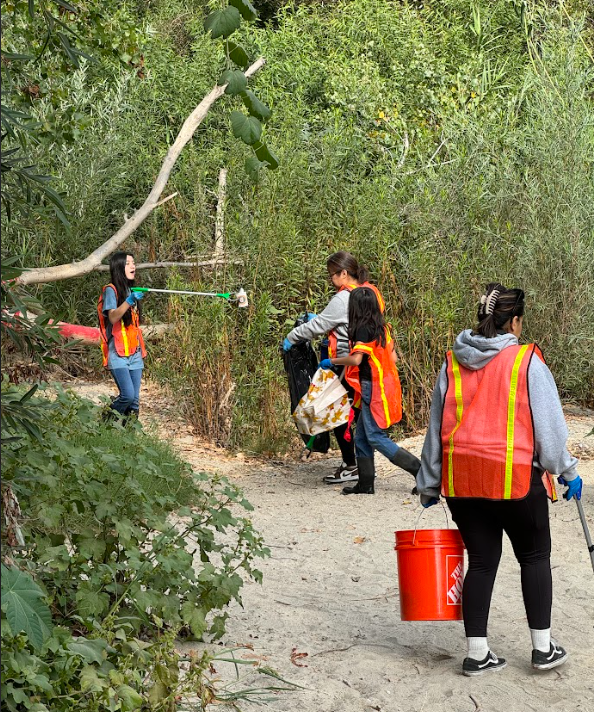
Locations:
{"points": [[455, 574]]}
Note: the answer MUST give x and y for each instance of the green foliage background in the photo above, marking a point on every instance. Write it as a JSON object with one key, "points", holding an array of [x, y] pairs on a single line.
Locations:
{"points": [[446, 144]]}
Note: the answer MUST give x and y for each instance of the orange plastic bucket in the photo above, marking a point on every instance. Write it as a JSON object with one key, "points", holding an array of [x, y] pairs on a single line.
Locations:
{"points": [[430, 574]]}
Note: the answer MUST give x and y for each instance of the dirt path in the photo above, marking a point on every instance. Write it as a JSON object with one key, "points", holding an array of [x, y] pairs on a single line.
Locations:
{"points": [[327, 614]]}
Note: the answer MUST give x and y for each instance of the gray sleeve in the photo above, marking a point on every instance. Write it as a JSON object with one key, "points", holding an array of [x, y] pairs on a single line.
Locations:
{"points": [[550, 428], [335, 314], [429, 476]]}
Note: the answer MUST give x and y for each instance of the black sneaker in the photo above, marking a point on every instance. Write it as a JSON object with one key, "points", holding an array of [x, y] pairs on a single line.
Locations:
{"points": [[545, 661], [344, 473], [471, 667]]}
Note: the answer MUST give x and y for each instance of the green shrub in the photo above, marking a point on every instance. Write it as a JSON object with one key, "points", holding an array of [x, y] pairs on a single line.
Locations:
{"points": [[128, 548]]}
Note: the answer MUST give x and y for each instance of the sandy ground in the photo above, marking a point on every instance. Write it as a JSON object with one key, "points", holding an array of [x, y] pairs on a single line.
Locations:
{"points": [[327, 614]]}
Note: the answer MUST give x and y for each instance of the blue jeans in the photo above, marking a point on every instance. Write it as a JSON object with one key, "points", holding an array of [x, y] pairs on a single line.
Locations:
{"points": [[128, 383], [368, 435]]}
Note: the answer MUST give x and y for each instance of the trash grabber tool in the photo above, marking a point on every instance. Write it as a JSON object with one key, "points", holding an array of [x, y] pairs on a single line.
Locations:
{"points": [[240, 297], [586, 530]]}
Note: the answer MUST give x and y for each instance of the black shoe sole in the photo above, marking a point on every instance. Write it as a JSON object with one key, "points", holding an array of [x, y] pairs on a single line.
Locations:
{"points": [[550, 666], [476, 673]]}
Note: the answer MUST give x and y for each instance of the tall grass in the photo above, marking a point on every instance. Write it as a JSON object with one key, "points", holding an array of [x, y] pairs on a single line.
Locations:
{"points": [[444, 151]]}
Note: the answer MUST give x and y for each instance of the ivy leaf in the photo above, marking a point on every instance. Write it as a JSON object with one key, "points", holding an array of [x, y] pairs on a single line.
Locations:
{"points": [[256, 107], [222, 23], [91, 651], [253, 166], [91, 603], [237, 54], [193, 616], [266, 155], [25, 611], [131, 700], [235, 80], [245, 7], [247, 128]]}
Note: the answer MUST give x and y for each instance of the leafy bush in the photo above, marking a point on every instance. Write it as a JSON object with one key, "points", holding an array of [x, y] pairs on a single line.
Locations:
{"points": [[128, 548]]}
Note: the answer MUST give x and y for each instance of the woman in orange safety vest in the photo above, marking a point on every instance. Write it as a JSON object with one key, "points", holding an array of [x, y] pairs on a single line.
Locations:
{"points": [[121, 338], [372, 373], [496, 430], [346, 275]]}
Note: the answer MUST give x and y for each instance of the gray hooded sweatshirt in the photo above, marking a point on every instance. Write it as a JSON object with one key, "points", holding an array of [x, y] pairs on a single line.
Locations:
{"points": [[550, 431], [334, 317]]}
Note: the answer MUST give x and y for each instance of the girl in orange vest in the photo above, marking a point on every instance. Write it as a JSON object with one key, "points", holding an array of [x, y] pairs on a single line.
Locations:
{"points": [[345, 274], [372, 373], [121, 338], [496, 430]]}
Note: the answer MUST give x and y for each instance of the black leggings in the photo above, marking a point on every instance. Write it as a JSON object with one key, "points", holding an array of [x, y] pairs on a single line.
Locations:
{"points": [[526, 522]]}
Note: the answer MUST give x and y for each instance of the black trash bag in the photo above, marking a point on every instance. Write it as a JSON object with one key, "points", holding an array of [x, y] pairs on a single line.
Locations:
{"points": [[300, 364]]}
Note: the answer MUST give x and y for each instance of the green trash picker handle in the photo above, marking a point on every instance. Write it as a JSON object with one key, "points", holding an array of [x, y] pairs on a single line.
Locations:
{"points": [[240, 297], [224, 295]]}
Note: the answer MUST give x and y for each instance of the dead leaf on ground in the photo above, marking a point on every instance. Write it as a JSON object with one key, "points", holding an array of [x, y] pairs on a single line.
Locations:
{"points": [[295, 657], [359, 539]]}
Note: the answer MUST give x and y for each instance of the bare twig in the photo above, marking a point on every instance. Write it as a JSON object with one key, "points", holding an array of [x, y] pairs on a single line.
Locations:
{"points": [[477, 707], [405, 147], [160, 265], [76, 269], [219, 249]]}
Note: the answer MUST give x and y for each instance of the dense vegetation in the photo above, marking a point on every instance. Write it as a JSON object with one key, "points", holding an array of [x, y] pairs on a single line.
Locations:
{"points": [[445, 143]]}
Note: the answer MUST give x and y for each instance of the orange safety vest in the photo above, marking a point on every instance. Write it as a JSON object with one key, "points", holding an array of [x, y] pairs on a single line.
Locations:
{"points": [[333, 336], [487, 434], [386, 393], [126, 339]]}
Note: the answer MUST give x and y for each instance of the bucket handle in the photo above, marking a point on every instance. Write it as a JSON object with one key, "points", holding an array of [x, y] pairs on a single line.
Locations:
{"points": [[423, 510]]}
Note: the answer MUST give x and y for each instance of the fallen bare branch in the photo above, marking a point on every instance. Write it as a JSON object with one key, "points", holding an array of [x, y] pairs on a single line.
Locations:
{"points": [[76, 269], [159, 265]]}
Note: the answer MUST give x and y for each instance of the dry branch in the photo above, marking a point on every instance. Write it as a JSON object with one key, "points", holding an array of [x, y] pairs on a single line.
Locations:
{"points": [[158, 265], [219, 249], [91, 262]]}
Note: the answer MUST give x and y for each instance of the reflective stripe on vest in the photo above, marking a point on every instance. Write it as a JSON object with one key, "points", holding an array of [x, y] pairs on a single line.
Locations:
{"points": [[459, 412], [487, 433], [369, 351], [125, 338]]}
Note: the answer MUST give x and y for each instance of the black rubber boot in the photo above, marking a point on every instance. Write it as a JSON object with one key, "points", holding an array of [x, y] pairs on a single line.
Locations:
{"points": [[366, 477], [407, 461]]}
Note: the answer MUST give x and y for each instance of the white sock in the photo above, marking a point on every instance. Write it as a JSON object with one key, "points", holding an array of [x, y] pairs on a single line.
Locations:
{"points": [[541, 639], [478, 648]]}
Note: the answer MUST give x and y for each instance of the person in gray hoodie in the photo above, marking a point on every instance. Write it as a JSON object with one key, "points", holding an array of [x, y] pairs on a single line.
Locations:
{"points": [[345, 273], [477, 356]]}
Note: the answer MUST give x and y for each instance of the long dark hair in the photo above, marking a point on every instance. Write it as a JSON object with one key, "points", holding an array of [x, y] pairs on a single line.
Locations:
{"points": [[498, 305], [364, 311], [344, 260], [117, 270]]}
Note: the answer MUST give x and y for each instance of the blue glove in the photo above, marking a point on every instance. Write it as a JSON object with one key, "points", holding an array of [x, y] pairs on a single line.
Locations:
{"points": [[287, 345], [428, 501], [134, 297], [325, 363], [310, 316], [574, 487]]}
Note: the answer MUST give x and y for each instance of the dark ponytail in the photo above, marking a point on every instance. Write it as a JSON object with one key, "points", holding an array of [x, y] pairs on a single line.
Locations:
{"points": [[344, 260], [117, 270], [498, 306]]}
